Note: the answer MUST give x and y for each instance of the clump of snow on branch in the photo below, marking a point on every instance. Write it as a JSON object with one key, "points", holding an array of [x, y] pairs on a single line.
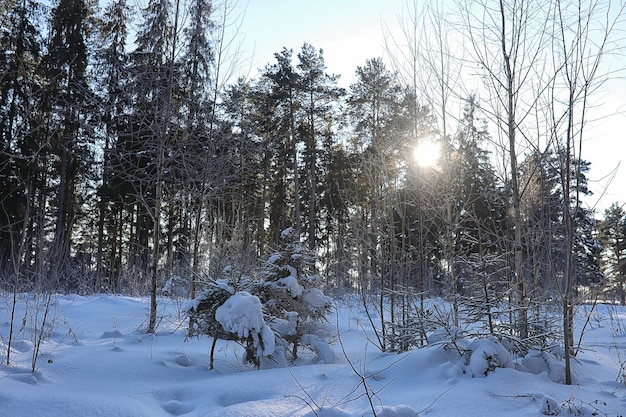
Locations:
{"points": [[322, 350], [242, 314], [291, 282], [285, 233]]}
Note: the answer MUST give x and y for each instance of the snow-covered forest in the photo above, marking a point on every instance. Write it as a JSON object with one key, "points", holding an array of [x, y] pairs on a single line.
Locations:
{"points": [[443, 192]]}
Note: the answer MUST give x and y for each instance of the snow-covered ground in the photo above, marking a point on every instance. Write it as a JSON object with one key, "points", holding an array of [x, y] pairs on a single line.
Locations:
{"points": [[97, 360]]}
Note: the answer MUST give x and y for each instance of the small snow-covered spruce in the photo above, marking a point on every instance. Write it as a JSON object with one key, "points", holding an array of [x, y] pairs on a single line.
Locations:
{"points": [[288, 290], [224, 313]]}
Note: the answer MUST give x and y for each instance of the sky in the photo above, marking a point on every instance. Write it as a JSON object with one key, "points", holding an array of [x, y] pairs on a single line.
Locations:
{"points": [[351, 31], [348, 31]]}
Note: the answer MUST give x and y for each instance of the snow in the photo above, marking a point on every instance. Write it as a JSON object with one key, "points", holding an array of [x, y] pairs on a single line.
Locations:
{"points": [[321, 348], [287, 326], [487, 355], [273, 260], [97, 360], [241, 314], [292, 284], [315, 298], [223, 284]]}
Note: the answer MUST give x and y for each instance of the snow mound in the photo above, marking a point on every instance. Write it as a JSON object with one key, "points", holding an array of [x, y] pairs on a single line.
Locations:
{"points": [[112, 334], [538, 362], [183, 360], [396, 411], [549, 406], [487, 355]]}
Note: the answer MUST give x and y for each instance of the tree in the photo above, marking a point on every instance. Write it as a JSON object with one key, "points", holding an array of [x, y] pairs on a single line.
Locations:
{"points": [[507, 41], [289, 291], [465, 203], [383, 116], [21, 82], [110, 71], [579, 72], [278, 90], [153, 71], [292, 303], [337, 200], [211, 56], [612, 234], [198, 101], [68, 95], [319, 94]]}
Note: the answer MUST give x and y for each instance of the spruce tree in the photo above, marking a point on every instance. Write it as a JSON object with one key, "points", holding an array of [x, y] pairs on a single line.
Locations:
{"points": [[612, 234], [68, 95], [289, 291], [110, 71], [21, 82]]}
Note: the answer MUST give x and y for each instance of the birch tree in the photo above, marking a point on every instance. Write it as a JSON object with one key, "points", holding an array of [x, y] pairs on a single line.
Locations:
{"points": [[582, 37]]}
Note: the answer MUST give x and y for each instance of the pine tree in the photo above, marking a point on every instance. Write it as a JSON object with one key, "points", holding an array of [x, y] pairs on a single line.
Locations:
{"points": [[319, 94], [375, 101], [277, 98]]}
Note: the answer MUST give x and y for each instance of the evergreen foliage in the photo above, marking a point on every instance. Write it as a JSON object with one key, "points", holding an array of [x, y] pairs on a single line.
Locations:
{"points": [[293, 304], [613, 237]]}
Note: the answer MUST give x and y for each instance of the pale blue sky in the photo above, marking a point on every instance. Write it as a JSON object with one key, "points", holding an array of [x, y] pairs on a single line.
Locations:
{"points": [[350, 31]]}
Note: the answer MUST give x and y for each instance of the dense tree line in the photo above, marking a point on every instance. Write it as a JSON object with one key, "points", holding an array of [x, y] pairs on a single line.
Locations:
{"points": [[125, 163]]}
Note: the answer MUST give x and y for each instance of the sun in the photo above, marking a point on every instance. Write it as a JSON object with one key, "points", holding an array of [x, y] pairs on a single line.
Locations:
{"points": [[427, 154]]}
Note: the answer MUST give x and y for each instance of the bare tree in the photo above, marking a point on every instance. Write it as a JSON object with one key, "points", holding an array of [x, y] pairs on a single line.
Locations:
{"points": [[582, 38], [428, 57], [226, 59], [508, 43]]}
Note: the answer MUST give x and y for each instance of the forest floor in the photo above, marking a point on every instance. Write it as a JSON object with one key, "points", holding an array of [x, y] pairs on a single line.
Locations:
{"points": [[95, 359]]}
